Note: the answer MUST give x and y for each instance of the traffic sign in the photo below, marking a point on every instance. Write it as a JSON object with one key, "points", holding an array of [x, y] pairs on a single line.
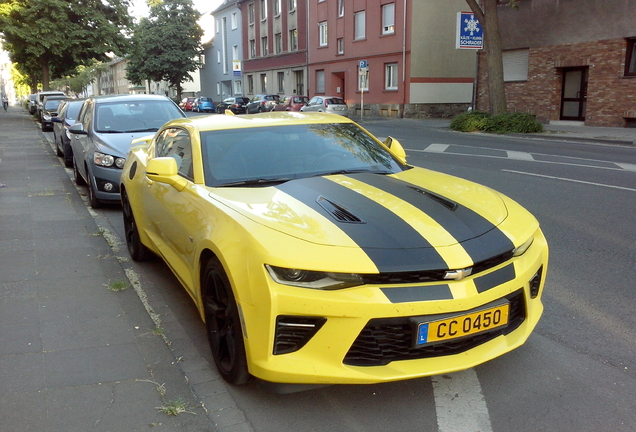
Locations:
{"points": [[362, 64]]}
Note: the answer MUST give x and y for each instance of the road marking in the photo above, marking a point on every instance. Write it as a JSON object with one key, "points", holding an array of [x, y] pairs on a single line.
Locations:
{"points": [[626, 166], [459, 403], [572, 180], [436, 148], [519, 155]]}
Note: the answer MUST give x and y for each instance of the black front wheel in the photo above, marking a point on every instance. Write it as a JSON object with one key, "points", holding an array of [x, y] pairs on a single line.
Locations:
{"points": [[136, 249], [223, 324]]}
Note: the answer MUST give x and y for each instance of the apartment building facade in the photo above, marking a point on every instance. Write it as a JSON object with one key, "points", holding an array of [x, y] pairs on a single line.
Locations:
{"points": [[394, 58], [569, 60], [274, 46]]}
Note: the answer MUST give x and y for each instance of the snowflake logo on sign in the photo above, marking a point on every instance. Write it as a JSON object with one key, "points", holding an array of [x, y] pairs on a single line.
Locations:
{"points": [[472, 25]]}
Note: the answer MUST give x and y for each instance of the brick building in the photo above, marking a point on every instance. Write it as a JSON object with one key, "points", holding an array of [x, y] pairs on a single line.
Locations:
{"points": [[568, 60]]}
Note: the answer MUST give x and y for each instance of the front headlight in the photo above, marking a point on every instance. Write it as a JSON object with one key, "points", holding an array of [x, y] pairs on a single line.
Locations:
{"points": [[46, 117], [107, 160], [524, 247], [313, 279]]}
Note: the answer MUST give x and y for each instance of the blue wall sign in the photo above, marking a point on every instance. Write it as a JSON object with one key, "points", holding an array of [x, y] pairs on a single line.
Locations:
{"points": [[469, 32]]}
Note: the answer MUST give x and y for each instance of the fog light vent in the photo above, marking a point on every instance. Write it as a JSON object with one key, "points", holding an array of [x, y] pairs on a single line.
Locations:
{"points": [[535, 283], [293, 332]]}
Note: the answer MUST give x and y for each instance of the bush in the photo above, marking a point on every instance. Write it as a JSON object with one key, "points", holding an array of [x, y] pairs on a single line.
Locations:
{"points": [[504, 123], [470, 122]]}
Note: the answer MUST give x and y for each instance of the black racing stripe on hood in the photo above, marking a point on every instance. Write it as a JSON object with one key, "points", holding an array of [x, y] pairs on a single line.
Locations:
{"points": [[391, 243], [479, 237]]}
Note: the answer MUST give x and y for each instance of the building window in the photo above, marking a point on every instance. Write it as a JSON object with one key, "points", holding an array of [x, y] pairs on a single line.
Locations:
{"points": [[235, 52], [234, 20], [238, 87], [293, 40], [340, 46], [323, 33], [391, 76], [218, 88], [281, 82], [263, 83], [359, 24], [250, 13], [250, 84], [264, 46], [218, 26], [320, 81], [388, 18], [292, 5], [218, 56], [278, 43], [277, 7], [515, 65], [630, 60], [263, 10], [340, 8], [252, 48]]}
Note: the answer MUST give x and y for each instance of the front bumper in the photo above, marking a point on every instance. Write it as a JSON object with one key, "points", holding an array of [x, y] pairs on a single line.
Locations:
{"points": [[106, 183], [364, 337]]}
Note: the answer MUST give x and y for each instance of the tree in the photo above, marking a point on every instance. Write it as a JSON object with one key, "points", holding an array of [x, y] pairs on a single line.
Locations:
{"points": [[55, 36], [487, 16], [167, 44]]}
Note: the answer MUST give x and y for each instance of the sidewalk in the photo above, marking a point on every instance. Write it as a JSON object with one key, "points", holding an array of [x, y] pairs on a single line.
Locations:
{"points": [[74, 354]]}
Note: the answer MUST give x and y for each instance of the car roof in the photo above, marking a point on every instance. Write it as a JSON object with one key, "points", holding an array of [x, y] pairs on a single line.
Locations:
{"points": [[276, 118], [127, 97]]}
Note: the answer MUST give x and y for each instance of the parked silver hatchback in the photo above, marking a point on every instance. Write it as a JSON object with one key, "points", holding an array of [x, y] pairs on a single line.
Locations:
{"points": [[328, 104]]}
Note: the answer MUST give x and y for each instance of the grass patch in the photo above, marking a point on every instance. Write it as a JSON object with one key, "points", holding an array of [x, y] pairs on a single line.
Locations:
{"points": [[117, 286], [176, 407]]}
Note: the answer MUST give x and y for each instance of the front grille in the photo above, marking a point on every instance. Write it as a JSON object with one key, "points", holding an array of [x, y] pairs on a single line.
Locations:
{"points": [[384, 340]]}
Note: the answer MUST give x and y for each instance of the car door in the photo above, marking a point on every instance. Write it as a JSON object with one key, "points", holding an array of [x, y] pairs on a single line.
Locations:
{"points": [[177, 218], [81, 143]]}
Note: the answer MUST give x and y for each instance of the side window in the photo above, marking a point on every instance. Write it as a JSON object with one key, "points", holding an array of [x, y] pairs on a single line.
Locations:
{"points": [[175, 142], [84, 115]]}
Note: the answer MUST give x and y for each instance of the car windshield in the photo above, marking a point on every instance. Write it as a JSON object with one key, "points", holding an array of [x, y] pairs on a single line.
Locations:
{"points": [[52, 104], [258, 156], [335, 101], [134, 116]]}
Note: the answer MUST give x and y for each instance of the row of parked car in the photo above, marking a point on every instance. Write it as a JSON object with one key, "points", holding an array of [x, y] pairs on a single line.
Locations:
{"points": [[265, 103]]}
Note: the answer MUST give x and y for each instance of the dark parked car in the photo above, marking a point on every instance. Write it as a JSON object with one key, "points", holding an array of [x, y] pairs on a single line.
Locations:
{"points": [[238, 105], [50, 105], [40, 100], [33, 103], [262, 103], [66, 116], [291, 103], [103, 132], [203, 104]]}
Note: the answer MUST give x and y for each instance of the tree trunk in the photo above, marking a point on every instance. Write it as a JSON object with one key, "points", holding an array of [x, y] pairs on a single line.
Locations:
{"points": [[45, 74], [494, 62]]}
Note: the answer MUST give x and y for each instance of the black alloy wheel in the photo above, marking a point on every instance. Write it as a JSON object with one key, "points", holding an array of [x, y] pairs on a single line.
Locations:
{"points": [[136, 249], [223, 324]]}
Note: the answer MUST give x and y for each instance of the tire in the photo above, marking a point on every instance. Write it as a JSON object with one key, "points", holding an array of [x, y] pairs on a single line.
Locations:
{"points": [[138, 252], [79, 180], [223, 324], [67, 154], [92, 199], [58, 152]]}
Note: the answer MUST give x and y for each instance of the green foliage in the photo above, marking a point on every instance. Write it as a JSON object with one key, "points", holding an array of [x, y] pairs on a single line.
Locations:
{"points": [[167, 44], [469, 122], [503, 123], [50, 38]]}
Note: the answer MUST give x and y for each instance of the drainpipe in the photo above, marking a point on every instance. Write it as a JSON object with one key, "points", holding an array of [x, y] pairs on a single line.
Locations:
{"points": [[404, 60]]}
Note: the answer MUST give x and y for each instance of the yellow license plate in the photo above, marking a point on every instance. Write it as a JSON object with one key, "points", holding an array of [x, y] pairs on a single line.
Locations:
{"points": [[463, 325]]}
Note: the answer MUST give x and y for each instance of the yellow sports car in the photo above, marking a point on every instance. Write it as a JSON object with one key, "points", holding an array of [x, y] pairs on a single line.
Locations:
{"points": [[316, 255]]}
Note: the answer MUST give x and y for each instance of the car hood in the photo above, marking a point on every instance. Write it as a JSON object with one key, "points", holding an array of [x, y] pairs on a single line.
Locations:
{"points": [[412, 214], [117, 144]]}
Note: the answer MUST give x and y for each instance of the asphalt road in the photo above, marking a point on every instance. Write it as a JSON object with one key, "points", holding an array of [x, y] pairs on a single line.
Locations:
{"points": [[576, 372]]}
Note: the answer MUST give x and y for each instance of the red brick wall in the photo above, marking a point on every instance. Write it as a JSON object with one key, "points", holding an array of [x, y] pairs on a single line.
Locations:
{"points": [[609, 95]]}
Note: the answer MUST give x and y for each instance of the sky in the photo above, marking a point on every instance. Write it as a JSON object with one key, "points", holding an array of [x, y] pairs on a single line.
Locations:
{"points": [[141, 9]]}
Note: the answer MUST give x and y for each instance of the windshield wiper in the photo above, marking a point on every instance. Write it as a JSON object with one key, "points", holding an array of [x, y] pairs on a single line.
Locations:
{"points": [[353, 171], [256, 181]]}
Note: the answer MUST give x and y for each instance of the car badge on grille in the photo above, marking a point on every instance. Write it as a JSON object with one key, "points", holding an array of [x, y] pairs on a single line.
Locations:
{"points": [[458, 274]]}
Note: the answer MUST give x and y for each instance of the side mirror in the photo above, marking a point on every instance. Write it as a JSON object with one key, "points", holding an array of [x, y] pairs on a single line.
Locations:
{"points": [[396, 149], [165, 170], [77, 129], [56, 119]]}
